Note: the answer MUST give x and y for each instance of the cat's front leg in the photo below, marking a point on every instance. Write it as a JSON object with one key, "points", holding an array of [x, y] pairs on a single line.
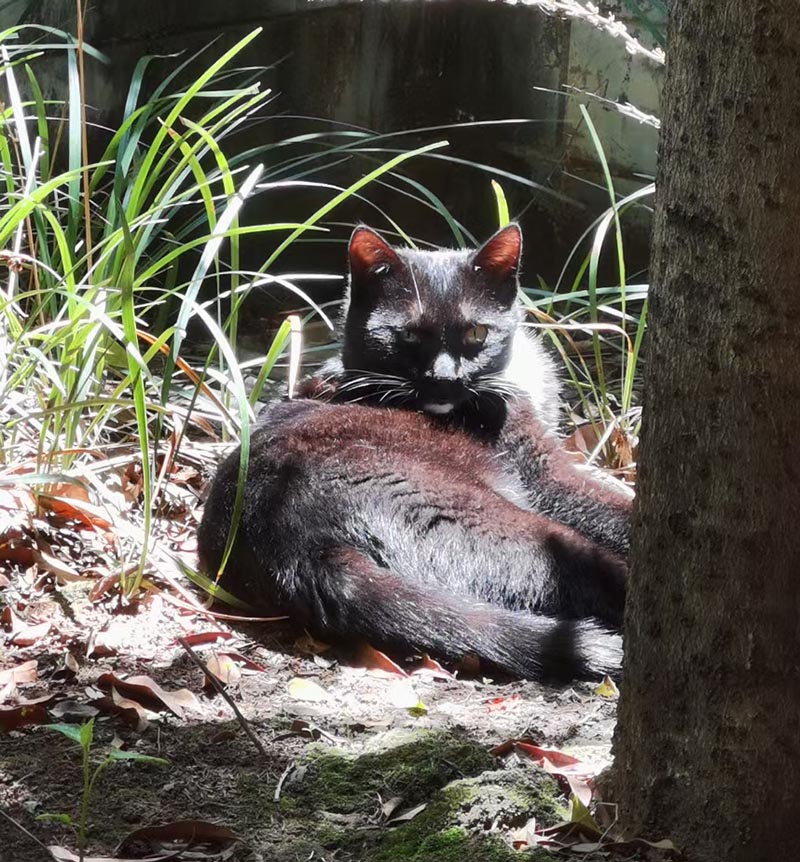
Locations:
{"points": [[558, 487]]}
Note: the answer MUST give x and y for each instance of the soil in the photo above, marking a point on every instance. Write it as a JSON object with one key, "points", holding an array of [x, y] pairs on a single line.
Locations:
{"points": [[356, 766]]}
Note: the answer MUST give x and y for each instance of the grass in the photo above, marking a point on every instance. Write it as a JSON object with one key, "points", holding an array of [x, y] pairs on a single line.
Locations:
{"points": [[110, 262]]}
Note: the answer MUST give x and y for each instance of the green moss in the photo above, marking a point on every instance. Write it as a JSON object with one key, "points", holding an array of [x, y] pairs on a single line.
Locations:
{"points": [[413, 769], [332, 799], [455, 823]]}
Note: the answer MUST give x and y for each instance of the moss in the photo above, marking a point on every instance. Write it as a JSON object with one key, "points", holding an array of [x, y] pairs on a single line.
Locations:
{"points": [[455, 824], [332, 802], [413, 768]]}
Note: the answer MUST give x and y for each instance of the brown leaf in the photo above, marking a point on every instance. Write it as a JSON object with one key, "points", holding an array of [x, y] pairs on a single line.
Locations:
{"points": [[310, 646], [430, 667], [23, 632], [146, 690], [64, 572], [102, 587], [76, 510], [33, 711], [554, 762], [223, 668], [210, 637], [22, 673], [61, 854], [129, 711], [187, 833], [100, 644], [248, 665], [376, 662]]}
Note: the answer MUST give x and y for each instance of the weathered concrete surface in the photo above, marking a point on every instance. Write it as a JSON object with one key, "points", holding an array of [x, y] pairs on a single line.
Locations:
{"points": [[407, 64]]}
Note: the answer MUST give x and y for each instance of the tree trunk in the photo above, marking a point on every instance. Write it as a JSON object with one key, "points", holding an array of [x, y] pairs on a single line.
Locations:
{"points": [[708, 741]]}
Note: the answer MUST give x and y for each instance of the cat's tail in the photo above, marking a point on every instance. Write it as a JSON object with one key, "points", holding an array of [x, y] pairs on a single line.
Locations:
{"points": [[350, 596]]}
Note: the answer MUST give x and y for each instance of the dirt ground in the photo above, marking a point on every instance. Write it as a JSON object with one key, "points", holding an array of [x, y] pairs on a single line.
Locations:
{"points": [[348, 753]]}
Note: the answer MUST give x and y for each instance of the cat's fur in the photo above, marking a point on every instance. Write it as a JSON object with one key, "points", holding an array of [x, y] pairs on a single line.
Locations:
{"points": [[415, 496]]}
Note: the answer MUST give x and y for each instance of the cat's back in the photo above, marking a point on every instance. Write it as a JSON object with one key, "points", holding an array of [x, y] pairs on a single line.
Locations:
{"points": [[351, 436]]}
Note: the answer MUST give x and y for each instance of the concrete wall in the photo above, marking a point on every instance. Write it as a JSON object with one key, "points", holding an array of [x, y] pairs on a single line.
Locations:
{"points": [[405, 64]]}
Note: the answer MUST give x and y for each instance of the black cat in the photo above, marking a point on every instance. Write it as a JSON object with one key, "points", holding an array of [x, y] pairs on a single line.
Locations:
{"points": [[415, 496]]}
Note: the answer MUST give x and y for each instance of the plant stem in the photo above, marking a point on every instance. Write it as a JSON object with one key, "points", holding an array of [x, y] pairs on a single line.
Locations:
{"points": [[87, 224]]}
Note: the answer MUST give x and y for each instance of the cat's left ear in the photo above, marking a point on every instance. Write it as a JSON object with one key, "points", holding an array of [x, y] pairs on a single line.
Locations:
{"points": [[498, 259], [369, 253]]}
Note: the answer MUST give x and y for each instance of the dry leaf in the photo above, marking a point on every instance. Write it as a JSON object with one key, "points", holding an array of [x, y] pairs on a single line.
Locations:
{"points": [[61, 854], [377, 663], [224, 669], [76, 510], [405, 816], [33, 711], [145, 689], [403, 695], [430, 667], [310, 646], [203, 638], [23, 633], [73, 711], [607, 688], [186, 833], [129, 711], [307, 689], [22, 673]]}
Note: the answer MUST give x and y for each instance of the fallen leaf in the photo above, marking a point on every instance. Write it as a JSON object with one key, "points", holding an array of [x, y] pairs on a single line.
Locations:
{"points": [[501, 704], [142, 687], [102, 587], [131, 712], [430, 667], [187, 833], [22, 673], [310, 646], [73, 711], [307, 689], [224, 669], [377, 663], [579, 813], [61, 854], [202, 638], [75, 510], [33, 711], [573, 771], [607, 688], [23, 632], [405, 816], [247, 664], [390, 806], [403, 695], [63, 572]]}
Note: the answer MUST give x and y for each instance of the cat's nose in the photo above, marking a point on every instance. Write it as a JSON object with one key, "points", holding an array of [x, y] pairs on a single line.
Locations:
{"points": [[446, 367]]}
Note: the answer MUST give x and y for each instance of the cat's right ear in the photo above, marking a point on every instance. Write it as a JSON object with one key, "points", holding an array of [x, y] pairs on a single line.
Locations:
{"points": [[370, 254]]}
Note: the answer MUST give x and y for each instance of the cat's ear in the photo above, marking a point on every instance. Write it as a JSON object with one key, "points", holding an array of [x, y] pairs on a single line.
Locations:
{"points": [[498, 259], [370, 254]]}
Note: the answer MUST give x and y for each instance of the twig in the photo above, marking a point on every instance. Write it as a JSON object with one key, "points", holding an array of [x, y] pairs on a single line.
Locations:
{"points": [[218, 687], [284, 776], [26, 832]]}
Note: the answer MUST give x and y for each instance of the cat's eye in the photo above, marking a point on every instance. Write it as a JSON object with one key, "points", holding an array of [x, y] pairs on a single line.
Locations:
{"points": [[409, 336], [476, 335]]}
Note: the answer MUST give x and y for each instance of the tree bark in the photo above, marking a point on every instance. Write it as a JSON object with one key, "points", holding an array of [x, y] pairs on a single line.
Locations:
{"points": [[708, 740]]}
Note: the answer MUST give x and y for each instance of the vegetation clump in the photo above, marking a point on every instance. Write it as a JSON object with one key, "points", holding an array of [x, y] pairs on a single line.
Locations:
{"points": [[467, 803]]}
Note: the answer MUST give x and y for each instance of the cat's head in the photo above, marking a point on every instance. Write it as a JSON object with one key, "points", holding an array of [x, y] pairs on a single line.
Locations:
{"points": [[429, 329]]}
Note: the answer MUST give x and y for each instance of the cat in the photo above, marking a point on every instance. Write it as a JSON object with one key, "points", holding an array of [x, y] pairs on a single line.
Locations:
{"points": [[415, 495]]}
